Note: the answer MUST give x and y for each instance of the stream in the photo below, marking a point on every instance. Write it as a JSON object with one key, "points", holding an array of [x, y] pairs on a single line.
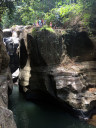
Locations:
{"points": [[30, 115]]}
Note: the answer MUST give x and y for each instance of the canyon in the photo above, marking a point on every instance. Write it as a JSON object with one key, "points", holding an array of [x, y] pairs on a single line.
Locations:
{"points": [[54, 66]]}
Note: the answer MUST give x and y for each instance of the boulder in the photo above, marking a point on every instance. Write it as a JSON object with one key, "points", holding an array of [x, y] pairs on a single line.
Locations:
{"points": [[37, 54], [60, 63]]}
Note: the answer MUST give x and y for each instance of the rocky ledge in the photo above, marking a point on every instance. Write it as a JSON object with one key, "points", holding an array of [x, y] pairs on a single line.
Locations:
{"points": [[6, 116], [62, 64]]}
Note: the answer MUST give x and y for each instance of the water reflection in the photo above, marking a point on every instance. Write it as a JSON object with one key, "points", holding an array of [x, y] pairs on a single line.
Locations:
{"points": [[30, 115]]}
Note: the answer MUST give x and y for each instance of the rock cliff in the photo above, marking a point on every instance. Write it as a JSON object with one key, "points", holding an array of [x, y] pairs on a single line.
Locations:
{"points": [[60, 63], [11, 42], [6, 116]]}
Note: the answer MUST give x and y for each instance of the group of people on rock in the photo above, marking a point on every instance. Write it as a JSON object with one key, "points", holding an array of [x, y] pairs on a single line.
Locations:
{"points": [[42, 22]]}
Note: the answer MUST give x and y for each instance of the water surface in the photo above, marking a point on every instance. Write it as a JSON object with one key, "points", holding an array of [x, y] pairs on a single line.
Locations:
{"points": [[30, 115]]}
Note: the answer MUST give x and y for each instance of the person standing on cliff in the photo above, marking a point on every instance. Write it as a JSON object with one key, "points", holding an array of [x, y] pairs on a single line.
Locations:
{"points": [[51, 24], [37, 24], [42, 21]]}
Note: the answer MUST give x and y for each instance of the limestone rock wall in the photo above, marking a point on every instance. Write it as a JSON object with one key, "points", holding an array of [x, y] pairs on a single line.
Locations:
{"points": [[6, 116], [37, 53], [61, 64], [11, 42]]}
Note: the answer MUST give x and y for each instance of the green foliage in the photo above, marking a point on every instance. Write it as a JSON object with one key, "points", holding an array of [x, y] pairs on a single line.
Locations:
{"points": [[34, 32], [6, 4], [63, 14], [59, 12], [27, 15], [52, 16], [70, 9], [10, 19], [86, 19], [45, 27], [67, 12], [10, 13]]}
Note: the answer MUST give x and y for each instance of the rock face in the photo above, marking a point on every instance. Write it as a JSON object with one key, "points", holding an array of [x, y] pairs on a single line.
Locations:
{"points": [[6, 116], [36, 56], [7, 32], [11, 42], [61, 64]]}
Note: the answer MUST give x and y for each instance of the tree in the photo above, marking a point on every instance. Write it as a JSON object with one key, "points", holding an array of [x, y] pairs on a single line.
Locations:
{"points": [[61, 11]]}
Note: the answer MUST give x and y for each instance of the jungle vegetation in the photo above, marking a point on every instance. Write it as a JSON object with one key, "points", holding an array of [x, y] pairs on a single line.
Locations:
{"points": [[60, 12]]}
